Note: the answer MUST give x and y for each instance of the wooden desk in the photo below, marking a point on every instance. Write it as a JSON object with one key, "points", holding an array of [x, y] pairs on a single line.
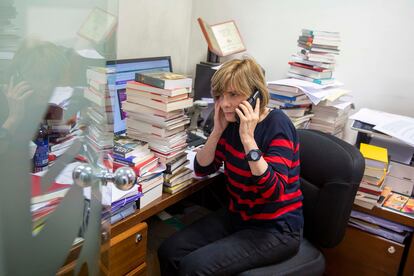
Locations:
{"points": [[362, 253], [126, 252]]}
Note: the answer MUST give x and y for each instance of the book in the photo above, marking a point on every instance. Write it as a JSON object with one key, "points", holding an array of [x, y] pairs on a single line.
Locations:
{"points": [[290, 99], [223, 39], [177, 162], [292, 90], [310, 72], [150, 196], [178, 187], [376, 157], [125, 146], [396, 201], [140, 168], [409, 207], [160, 131], [400, 178], [165, 107], [163, 79], [134, 159], [318, 81], [137, 95], [134, 85]]}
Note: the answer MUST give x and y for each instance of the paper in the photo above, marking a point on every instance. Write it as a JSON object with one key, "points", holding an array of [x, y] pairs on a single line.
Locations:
{"points": [[373, 117], [90, 53], [61, 96], [399, 151], [400, 128], [315, 92]]}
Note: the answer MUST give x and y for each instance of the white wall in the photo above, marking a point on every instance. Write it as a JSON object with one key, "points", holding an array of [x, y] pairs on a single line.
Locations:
{"points": [[149, 28], [376, 60], [376, 57]]}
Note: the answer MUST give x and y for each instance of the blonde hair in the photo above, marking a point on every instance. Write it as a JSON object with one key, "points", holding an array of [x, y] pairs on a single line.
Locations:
{"points": [[242, 75]]}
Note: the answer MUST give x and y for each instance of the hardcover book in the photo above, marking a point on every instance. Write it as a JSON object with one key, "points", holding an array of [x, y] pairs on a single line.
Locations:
{"points": [[163, 79]]}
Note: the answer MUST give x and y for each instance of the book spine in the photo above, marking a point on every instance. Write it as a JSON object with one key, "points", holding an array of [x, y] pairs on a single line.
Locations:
{"points": [[149, 80]]}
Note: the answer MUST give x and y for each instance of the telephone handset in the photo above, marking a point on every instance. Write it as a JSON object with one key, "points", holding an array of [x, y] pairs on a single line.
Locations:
{"points": [[252, 100]]}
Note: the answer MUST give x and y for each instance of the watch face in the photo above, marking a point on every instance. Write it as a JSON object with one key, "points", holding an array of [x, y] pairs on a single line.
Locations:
{"points": [[255, 155]]}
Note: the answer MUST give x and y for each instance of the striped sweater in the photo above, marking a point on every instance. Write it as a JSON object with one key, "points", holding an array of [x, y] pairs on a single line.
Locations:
{"points": [[274, 196]]}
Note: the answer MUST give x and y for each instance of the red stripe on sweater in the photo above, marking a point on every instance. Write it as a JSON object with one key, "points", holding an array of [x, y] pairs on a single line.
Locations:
{"points": [[297, 148], [234, 152], [295, 164], [220, 155], [280, 142], [238, 171], [293, 179], [221, 142], [263, 200], [241, 186], [274, 215], [264, 178], [278, 160]]}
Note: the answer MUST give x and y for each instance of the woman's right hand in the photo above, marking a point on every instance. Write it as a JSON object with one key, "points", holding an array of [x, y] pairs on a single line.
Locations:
{"points": [[220, 122], [17, 98]]}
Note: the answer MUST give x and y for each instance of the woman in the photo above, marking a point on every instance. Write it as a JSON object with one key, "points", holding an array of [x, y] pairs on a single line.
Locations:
{"points": [[263, 222]]}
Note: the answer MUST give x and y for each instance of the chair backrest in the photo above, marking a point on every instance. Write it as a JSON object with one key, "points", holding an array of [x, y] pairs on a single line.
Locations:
{"points": [[331, 170]]}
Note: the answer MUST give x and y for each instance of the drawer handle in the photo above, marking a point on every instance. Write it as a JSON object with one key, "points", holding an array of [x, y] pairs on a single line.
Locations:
{"points": [[391, 249], [138, 238], [105, 236]]}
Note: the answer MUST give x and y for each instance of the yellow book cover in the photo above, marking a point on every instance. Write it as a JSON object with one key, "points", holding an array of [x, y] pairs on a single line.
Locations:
{"points": [[374, 152]]}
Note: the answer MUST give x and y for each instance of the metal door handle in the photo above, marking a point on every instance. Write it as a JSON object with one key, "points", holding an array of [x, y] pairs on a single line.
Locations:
{"points": [[123, 178]]}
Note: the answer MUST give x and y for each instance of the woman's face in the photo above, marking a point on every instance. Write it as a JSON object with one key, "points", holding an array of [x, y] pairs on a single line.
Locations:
{"points": [[229, 101]]}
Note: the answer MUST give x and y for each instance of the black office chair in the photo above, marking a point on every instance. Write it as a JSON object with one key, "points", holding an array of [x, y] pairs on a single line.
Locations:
{"points": [[331, 171]]}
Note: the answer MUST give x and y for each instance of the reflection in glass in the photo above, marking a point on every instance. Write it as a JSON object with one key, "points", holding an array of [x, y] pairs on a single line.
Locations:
{"points": [[49, 125]]}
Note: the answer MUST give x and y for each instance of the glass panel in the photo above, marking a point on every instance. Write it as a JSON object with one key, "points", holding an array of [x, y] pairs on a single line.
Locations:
{"points": [[55, 115]]}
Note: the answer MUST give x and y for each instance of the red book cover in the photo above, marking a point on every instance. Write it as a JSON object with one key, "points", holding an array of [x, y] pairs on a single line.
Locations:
{"points": [[310, 67], [37, 186]]}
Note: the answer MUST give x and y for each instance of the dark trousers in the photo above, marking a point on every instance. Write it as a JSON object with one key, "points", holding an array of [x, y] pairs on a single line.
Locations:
{"points": [[214, 246]]}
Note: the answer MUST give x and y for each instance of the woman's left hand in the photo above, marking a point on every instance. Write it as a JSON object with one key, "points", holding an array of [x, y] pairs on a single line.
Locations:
{"points": [[248, 120]]}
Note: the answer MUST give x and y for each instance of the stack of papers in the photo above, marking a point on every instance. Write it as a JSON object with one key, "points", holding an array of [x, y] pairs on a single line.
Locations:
{"points": [[397, 126]]}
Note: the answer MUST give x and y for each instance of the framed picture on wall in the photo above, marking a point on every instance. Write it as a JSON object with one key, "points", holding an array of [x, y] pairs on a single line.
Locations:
{"points": [[98, 25], [223, 39]]}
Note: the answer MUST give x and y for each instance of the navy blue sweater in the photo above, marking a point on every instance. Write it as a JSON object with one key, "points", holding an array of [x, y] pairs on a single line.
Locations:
{"points": [[273, 197]]}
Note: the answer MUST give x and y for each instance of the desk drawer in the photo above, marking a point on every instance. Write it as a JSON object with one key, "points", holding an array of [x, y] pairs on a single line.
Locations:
{"points": [[128, 250], [361, 253]]}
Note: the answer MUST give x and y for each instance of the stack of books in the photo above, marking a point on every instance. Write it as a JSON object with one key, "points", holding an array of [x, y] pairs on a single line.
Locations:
{"points": [[177, 176], [156, 113], [45, 201], [315, 60], [151, 187], [119, 204], [133, 153], [100, 131], [400, 203], [292, 101], [331, 116], [371, 186], [155, 104]]}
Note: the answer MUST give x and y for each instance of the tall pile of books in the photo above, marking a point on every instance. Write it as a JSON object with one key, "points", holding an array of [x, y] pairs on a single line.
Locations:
{"points": [[315, 60], [9, 35], [155, 104], [331, 116], [100, 131], [136, 154], [292, 101], [371, 186]]}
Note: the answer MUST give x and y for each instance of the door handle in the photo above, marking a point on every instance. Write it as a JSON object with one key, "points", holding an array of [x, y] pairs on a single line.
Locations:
{"points": [[123, 178]]}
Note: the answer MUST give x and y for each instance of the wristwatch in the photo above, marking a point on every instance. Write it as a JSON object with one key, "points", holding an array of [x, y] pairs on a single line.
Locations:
{"points": [[253, 155]]}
